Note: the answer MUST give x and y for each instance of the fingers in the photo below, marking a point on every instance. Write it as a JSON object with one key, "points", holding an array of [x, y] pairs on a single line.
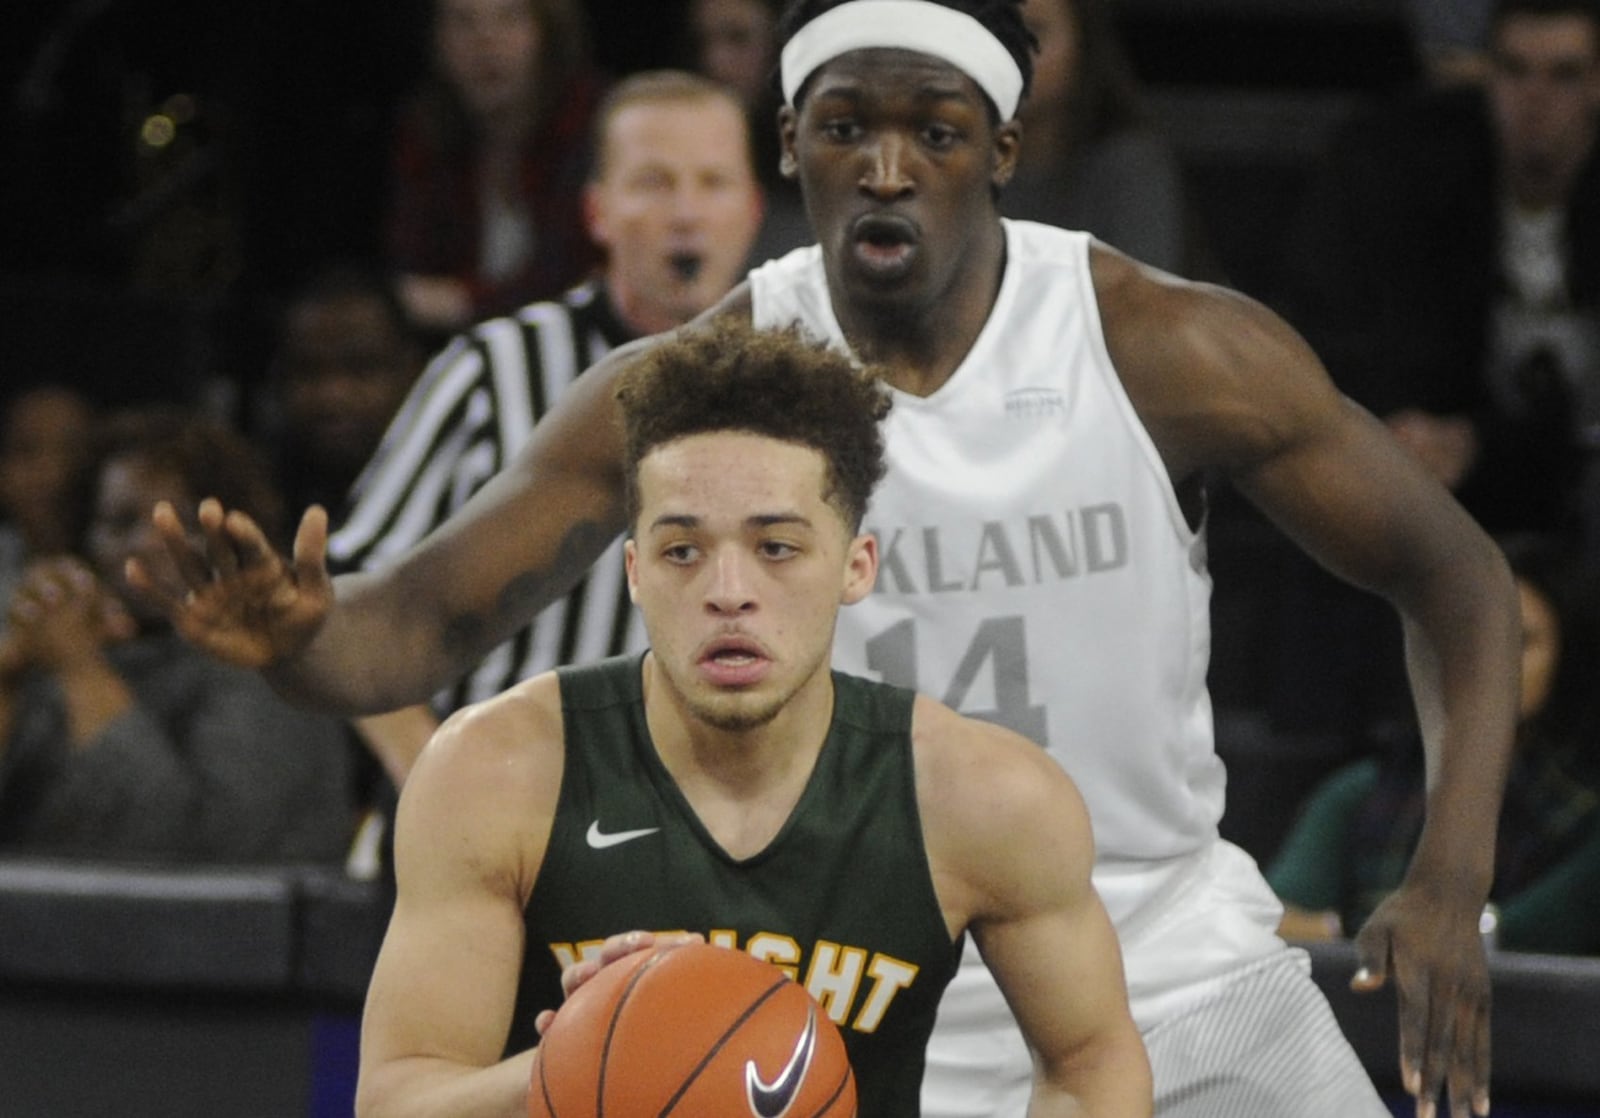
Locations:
{"points": [[192, 565], [1372, 959], [620, 946], [240, 544], [311, 552], [1420, 1076], [1469, 1071], [577, 974], [542, 1021]]}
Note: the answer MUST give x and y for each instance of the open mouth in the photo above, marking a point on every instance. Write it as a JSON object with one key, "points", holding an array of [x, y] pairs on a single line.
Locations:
{"points": [[686, 265], [883, 242]]}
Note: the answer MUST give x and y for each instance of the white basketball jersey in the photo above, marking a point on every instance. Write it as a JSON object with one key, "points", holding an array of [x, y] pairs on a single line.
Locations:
{"points": [[1036, 568]]}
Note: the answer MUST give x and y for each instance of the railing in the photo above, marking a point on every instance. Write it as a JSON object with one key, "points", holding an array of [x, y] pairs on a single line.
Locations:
{"points": [[168, 992]]}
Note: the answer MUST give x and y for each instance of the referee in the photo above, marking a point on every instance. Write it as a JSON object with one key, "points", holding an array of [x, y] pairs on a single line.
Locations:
{"points": [[674, 203]]}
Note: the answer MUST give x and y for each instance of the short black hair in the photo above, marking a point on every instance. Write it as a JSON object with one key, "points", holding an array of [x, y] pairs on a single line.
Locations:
{"points": [[779, 384], [1002, 18]]}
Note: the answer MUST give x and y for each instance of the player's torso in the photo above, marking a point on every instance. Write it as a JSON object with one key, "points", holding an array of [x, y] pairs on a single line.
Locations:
{"points": [[1036, 569], [841, 899]]}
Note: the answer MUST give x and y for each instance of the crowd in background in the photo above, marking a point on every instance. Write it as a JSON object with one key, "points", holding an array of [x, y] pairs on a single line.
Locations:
{"points": [[235, 236]]}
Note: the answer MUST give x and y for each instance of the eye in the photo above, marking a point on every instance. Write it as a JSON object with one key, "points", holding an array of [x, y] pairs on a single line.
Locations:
{"points": [[680, 553], [940, 137], [778, 549], [841, 130]]}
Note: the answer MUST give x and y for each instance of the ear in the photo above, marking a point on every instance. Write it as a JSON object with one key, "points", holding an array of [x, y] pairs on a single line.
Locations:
{"points": [[1007, 147], [861, 569], [788, 163], [630, 564], [594, 214]]}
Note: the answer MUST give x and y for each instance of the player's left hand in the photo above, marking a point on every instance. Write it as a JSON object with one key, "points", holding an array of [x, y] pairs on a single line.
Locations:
{"points": [[1430, 945], [615, 947]]}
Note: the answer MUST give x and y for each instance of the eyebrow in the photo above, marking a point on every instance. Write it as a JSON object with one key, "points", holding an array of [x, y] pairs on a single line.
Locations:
{"points": [[761, 520]]}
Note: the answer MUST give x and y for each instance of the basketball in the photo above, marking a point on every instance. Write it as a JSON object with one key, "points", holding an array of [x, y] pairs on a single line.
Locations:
{"points": [[695, 1031]]}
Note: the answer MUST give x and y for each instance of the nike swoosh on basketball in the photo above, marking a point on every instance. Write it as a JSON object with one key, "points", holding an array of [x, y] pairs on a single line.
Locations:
{"points": [[599, 840], [771, 1100]]}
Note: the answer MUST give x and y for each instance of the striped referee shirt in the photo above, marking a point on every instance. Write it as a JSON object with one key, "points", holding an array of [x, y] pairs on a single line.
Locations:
{"points": [[471, 410]]}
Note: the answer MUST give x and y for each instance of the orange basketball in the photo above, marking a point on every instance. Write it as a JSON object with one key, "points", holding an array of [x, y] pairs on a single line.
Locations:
{"points": [[694, 1032]]}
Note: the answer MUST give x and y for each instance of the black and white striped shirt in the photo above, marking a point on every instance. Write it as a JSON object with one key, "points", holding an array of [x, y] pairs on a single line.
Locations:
{"points": [[468, 414]]}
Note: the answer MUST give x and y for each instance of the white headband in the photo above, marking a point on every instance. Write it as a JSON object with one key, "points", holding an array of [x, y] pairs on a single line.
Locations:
{"points": [[917, 25]]}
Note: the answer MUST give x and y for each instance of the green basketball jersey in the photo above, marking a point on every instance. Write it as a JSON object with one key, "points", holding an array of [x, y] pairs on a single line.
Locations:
{"points": [[842, 898]]}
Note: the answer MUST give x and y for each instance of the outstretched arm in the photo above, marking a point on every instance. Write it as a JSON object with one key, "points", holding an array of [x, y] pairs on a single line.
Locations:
{"points": [[1009, 839], [371, 642], [1224, 384]]}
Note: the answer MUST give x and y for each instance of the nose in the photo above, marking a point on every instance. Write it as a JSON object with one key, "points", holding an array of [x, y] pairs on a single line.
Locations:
{"points": [[729, 590], [887, 174]]}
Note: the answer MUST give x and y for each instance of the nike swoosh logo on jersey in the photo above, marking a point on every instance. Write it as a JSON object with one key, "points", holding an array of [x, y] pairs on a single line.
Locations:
{"points": [[772, 1100], [599, 840]]}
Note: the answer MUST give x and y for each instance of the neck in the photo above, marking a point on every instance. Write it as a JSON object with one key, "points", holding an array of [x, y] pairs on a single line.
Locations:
{"points": [[640, 315], [922, 345], [748, 764]]}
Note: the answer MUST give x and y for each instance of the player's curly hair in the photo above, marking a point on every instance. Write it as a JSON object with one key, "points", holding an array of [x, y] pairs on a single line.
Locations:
{"points": [[779, 384], [1002, 18]]}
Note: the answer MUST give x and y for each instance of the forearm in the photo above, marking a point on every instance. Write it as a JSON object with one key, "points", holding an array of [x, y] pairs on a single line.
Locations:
{"points": [[1109, 1078], [425, 1087], [376, 651], [1462, 649]]}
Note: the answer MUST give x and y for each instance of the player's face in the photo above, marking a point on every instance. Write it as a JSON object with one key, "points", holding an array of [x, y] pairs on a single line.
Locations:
{"points": [[676, 207], [897, 160], [739, 566], [489, 50], [1545, 86]]}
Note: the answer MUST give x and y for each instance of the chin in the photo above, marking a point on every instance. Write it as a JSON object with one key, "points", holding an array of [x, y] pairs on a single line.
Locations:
{"points": [[736, 713]]}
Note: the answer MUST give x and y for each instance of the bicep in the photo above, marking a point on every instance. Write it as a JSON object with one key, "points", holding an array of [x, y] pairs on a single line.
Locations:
{"points": [[444, 984], [1040, 925], [1051, 947], [526, 536], [1346, 492], [446, 978]]}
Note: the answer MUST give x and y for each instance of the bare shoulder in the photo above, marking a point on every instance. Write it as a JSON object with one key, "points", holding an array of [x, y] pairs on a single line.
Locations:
{"points": [[966, 762], [514, 737], [989, 802], [485, 787], [1218, 379]]}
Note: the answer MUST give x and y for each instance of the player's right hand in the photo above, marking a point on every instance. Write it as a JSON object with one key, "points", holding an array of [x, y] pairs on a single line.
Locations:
{"points": [[618, 946], [229, 592]]}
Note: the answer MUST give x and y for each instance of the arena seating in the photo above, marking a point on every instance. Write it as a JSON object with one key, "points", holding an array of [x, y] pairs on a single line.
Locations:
{"points": [[172, 991]]}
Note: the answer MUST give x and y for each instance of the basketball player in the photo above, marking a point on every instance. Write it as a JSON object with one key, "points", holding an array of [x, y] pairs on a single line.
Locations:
{"points": [[729, 783], [1058, 408]]}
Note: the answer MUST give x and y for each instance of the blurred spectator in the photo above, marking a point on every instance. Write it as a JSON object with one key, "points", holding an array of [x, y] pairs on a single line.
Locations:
{"points": [[1447, 268], [43, 437], [1450, 35], [734, 43], [1091, 157], [119, 739], [1356, 833], [674, 202], [489, 162], [347, 355]]}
